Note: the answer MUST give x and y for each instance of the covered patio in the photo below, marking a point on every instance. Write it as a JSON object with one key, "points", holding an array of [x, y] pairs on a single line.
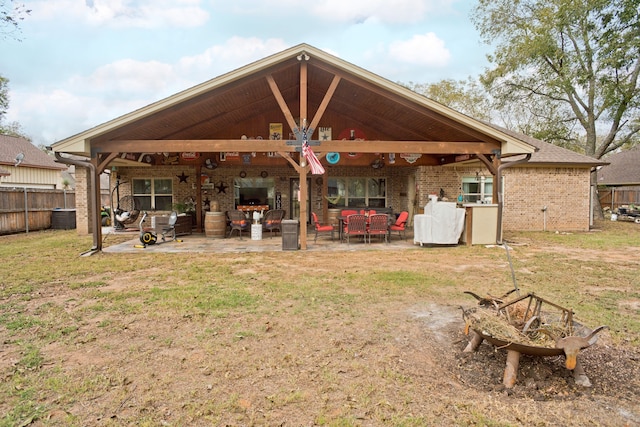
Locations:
{"points": [[247, 128]]}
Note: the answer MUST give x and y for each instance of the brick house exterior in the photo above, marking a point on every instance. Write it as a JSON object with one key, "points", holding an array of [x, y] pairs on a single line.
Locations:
{"points": [[304, 89]]}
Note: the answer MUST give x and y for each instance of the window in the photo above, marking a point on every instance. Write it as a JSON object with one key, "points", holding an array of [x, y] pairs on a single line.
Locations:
{"points": [[357, 192], [477, 188], [154, 193]]}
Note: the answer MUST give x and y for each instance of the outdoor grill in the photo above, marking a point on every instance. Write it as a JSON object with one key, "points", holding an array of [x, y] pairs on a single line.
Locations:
{"points": [[528, 325]]}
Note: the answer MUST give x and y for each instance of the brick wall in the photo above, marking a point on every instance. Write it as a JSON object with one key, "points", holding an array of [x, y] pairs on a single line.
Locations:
{"points": [[397, 183], [83, 208], [564, 191]]}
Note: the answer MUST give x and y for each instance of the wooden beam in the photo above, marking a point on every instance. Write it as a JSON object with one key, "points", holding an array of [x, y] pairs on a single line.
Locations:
{"points": [[281, 102], [265, 145], [303, 91], [104, 160], [325, 102], [488, 163]]}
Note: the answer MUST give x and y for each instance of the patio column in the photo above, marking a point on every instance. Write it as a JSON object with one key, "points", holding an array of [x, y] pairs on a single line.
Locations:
{"points": [[83, 191]]}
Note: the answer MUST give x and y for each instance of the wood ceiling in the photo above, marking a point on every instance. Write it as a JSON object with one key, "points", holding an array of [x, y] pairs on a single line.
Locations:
{"points": [[233, 112]]}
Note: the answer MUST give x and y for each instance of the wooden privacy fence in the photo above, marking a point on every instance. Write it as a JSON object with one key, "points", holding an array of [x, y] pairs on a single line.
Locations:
{"points": [[24, 210], [613, 197]]}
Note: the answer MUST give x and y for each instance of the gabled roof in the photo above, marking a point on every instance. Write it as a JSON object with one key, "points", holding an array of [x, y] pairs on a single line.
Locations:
{"points": [[11, 146], [623, 169], [241, 101]]}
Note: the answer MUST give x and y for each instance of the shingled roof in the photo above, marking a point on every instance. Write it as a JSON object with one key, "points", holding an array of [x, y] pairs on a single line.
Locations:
{"points": [[11, 146], [623, 169], [549, 154]]}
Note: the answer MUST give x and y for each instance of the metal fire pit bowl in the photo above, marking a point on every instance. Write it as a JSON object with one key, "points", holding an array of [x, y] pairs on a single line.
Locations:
{"points": [[520, 323]]}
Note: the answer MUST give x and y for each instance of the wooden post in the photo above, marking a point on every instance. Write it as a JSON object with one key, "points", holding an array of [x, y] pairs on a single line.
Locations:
{"points": [[511, 370]]}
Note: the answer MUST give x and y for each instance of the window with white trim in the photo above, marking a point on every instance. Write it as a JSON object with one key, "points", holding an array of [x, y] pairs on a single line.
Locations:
{"points": [[154, 193], [477, 188], [344, 192]]}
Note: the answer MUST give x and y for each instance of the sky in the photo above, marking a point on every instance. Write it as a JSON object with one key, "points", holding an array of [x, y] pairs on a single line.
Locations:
{"points": [[81, 63]]}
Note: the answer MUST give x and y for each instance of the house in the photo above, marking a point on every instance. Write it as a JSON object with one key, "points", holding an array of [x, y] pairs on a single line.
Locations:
{"points": [[25, 165], [236, 140], [619, 181]]}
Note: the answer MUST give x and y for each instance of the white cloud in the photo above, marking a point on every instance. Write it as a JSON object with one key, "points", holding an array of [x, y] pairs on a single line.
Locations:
{"points": [[126, 77], [123, 13], [422, 49], [383, 11], [344, 11], [122, 86], [233, 53]]}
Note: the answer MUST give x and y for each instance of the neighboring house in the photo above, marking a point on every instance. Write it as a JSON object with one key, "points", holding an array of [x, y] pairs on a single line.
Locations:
{"points": [[619, 181], [25, 165], [235, 140]]}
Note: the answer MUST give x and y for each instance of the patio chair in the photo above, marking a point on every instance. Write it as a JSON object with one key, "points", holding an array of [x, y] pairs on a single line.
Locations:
{"points": [[320, 228], [170, 228], [238, 221], [400, 225], [272, 221], [378, 226], [356, 225], [345, 215]]}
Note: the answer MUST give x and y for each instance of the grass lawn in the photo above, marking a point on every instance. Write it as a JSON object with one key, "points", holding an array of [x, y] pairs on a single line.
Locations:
{"points": [[293, 338]]}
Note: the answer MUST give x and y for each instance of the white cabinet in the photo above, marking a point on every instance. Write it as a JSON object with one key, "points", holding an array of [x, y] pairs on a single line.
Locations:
{"points": [[481, 225]]}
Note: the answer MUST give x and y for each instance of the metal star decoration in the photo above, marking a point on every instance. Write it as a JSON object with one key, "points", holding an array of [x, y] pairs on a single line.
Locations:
{"points": [[222, 187], [183, 177]]}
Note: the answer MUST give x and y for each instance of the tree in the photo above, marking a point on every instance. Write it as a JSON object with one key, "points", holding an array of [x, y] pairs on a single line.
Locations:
{"points": [[4, 96], [11, 14], [574, 62], [13, 128], [465, 96]]}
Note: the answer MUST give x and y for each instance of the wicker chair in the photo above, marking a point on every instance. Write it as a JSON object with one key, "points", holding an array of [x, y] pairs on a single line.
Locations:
{"points": [[356, 225], [238, 221], [320, 228], [378, 226], [272, 221]]}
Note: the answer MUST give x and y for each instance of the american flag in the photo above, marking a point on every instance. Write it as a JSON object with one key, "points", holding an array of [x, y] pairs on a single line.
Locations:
{"points": [[314, 163]]}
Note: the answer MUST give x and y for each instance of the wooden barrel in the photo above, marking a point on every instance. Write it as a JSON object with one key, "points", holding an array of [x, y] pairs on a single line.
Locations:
{"points": [[333, 215], [215, 225]]}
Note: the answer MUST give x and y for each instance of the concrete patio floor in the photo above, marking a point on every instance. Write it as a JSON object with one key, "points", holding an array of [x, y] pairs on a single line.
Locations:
{"points": [[199, 243]]}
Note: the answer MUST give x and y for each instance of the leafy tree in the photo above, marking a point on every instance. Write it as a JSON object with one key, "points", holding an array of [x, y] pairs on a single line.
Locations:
{"points": [[11, 14], [465, 96], [4, 96], [573, 63], [13, 128]]}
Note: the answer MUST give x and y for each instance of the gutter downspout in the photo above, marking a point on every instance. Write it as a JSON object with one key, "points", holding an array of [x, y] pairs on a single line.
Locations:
{"points": [[500, 194], [97, 246]]}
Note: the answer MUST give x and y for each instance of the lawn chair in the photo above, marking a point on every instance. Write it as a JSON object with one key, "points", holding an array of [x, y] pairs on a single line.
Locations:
{"points": [[320, 228], [170, 228], [400, 225]]}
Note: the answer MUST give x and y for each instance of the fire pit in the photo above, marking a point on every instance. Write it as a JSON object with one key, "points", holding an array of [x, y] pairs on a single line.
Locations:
{"points": [[522, 326]]}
